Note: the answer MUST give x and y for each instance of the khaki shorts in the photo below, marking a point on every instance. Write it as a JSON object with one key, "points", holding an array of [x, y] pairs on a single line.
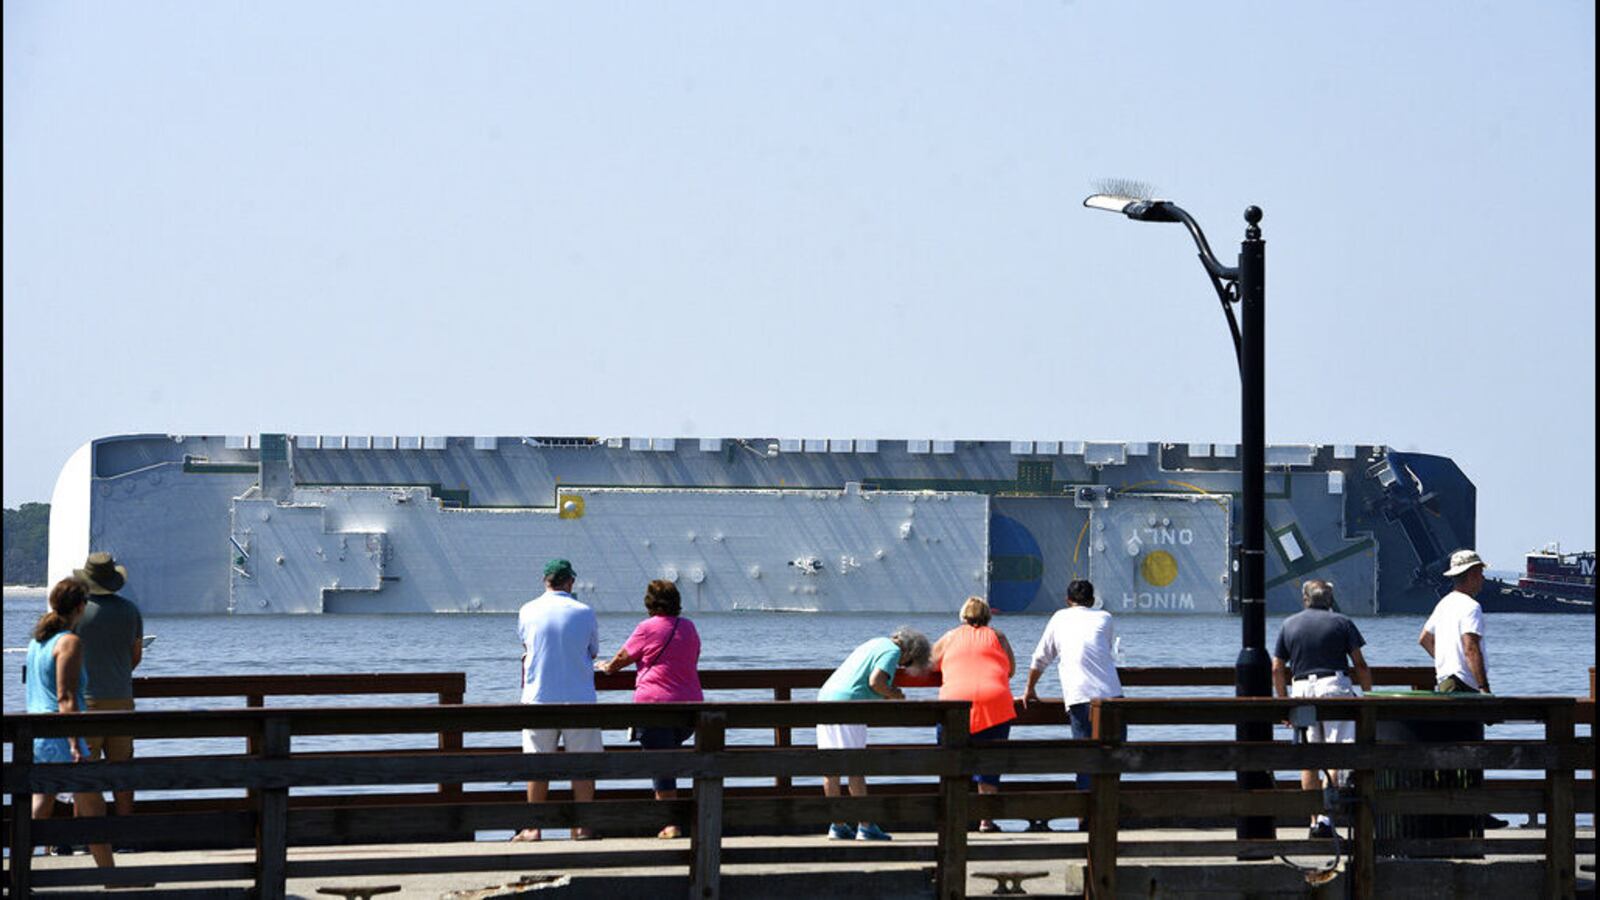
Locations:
{"points": [[116, 748]]}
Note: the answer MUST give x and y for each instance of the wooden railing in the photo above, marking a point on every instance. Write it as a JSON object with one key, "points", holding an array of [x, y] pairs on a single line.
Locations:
{"points": [[272, 824]]}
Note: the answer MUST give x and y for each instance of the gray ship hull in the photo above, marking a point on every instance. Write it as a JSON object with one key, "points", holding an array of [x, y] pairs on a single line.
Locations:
{"points": [[272, 523]]}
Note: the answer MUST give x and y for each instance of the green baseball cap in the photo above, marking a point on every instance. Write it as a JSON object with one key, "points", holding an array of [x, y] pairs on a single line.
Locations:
{"points": [[558, 570]]}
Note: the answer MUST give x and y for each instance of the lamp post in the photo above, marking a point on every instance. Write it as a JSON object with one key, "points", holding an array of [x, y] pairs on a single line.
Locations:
{"points": [[1245, 285]]}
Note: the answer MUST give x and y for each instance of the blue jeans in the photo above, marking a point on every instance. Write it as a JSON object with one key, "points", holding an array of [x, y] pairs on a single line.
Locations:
{"points": [[663, 738], [1078, 714]]}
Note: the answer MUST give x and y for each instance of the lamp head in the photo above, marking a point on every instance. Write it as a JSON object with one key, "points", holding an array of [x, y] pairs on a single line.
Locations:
{"points": [[1137, 208]]}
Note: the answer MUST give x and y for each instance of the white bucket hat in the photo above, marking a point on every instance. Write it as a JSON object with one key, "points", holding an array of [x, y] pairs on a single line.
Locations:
{"points": [[1461, 561]]}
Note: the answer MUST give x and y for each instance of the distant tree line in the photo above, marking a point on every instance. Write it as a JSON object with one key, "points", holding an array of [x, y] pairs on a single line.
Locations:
{"points": [[27, 543]]}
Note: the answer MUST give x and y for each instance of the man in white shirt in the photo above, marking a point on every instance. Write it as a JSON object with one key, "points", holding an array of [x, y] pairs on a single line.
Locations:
{"points": [[560, 640], [1082, 638], [1453, 635]]}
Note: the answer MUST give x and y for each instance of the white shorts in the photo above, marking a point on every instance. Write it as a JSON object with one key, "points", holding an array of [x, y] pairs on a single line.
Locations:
{"points": [[1326, 686], [576, 740], [841, 737]]}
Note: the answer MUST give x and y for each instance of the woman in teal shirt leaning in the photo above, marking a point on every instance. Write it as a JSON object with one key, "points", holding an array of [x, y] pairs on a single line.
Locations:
{"points": [[55, 685], [867, 674]]}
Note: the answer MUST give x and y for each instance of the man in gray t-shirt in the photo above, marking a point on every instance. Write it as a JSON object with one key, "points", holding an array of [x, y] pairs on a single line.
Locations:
{"points": [[112, 632], [1319, 649]]}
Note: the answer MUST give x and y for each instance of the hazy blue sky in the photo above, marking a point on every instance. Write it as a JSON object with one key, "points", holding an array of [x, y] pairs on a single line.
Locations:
{"points": [[805, 219]]}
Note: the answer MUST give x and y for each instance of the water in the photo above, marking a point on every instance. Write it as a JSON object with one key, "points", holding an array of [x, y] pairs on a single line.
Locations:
{"points": [[1528, 655]]}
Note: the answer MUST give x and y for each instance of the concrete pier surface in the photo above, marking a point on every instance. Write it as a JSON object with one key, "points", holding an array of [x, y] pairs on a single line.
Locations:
{"points": [[560, 868]]}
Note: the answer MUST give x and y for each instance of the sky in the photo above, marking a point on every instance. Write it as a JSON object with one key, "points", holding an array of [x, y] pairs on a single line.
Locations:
{"points": [[806, 220]]}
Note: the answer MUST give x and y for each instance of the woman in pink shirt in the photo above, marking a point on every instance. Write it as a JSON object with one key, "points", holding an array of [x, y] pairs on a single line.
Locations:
{"points": [[666, 648]]}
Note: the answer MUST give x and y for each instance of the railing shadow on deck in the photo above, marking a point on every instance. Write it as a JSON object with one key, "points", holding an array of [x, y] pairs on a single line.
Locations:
{"points": [[271, 824]]}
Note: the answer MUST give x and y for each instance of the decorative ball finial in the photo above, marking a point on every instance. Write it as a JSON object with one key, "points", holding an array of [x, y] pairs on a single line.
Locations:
{"points": [[1252, 216]]}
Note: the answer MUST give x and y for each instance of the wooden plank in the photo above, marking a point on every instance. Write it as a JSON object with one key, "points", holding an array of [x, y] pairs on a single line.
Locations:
{"points": [[1560, 864], [156, 874], [782, 735], [595, 858], [950, 872], [272, 829], [1100, 879], [705, 835], [433, 823], [815, 811], [21, 766], [1229, 802], [1363, 855], [428, 766], [1030, 805], [298, 685], [214, 830]]}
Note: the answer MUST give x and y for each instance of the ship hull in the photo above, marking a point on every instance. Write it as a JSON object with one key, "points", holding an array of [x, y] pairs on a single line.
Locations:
{"points": [[326, 524]]}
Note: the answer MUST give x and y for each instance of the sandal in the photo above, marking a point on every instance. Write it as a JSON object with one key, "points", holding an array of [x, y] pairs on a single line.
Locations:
{"points": [[670, 832], [527, 835], [987, 826], [583, 834]]}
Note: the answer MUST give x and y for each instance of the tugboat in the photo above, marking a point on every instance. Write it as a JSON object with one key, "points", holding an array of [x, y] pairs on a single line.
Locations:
{"points": [[1551, 582]]}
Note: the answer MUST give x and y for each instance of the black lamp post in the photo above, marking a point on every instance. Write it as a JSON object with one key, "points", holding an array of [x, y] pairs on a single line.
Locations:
{"points": [[1244, 284]]}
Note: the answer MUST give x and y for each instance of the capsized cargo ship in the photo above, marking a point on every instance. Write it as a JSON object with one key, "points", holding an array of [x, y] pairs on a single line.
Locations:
{"points": [[278, 523]]}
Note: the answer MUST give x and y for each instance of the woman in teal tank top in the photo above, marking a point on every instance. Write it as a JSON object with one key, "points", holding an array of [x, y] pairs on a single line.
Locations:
{"points": [[55, 685]]}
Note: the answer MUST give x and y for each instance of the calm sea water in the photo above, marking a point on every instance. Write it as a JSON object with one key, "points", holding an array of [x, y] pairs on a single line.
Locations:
{"points": [[1528, 655]]}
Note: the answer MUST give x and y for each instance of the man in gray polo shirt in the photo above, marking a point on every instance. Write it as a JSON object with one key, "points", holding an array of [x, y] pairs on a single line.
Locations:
{"points": [[1318, 648], [112, 632]]}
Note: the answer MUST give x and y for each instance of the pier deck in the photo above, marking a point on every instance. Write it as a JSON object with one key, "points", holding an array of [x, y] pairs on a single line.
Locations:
{"points": [[862, 870]]}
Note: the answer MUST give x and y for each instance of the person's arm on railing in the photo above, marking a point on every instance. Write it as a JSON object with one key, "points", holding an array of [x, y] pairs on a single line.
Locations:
{"points": [[1425, 640], [1011, 655], [879, 682], [1472, 649], [1363, 671], [621, 661], [1031, 693], [936, 656]]}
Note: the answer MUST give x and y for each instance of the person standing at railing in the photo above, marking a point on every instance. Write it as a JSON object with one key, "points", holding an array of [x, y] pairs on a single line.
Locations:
{"points": [[55, 685], [976, 662], [560, 639], [666, 648], [112, 631], [1083, 639], [1319, 649], [1453, 635], [867, 674]]}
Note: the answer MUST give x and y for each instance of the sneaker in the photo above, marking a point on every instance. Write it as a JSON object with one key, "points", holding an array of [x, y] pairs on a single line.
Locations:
{"points": [[871, 832], [1323, 829], [841, 833]]}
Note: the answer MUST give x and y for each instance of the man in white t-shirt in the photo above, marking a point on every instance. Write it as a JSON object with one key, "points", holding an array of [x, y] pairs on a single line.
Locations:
{"points": [[1082, 638], [560, 640], [1453, 635]]}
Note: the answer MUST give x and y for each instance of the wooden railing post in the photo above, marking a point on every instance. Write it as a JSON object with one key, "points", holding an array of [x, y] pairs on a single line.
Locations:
{"points": [[22, 816], [782, 736], [272, 817], [1364, 856], [950, 874], [252, 743], [705, 836], [450, 741], [1559, 837], [1100, 882]]}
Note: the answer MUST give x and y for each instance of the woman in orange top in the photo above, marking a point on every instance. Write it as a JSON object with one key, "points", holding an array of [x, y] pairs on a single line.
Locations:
{"points": [[977, 664]]}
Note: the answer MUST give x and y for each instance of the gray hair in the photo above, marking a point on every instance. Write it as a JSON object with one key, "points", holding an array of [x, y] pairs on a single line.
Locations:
{"points": [[914, 647], [1317, 594]]}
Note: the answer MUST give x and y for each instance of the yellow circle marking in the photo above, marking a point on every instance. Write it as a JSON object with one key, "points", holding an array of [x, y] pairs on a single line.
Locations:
{"points": [[1159, 568]]}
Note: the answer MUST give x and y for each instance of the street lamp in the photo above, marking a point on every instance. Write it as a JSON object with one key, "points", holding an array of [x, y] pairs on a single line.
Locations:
{"points": [[1244, 284]]}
